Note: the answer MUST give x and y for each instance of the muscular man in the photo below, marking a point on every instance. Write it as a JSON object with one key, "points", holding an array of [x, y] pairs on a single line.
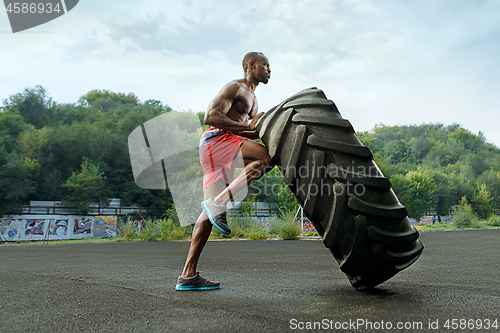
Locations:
{"points": [[229, 115]]}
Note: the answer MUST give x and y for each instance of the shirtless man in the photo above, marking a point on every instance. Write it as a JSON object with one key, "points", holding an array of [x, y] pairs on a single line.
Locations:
{"points": [[229, 115]]}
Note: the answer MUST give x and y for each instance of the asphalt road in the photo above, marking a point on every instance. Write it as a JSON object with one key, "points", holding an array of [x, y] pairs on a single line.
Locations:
{"points": [[278, 286]]}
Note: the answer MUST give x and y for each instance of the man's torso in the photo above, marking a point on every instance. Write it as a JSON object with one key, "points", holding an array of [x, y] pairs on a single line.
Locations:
{"points": [[244, 105]]}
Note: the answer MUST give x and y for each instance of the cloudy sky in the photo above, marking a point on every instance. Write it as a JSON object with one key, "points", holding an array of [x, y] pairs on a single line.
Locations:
{"points": [[391, 62]]}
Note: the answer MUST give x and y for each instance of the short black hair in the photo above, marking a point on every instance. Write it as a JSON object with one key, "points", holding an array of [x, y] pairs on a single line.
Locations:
{"points": [[250, 56]]}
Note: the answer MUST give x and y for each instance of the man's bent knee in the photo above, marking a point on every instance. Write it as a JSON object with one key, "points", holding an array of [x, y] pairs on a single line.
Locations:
{"points": [[265, 163], [260, 167]]}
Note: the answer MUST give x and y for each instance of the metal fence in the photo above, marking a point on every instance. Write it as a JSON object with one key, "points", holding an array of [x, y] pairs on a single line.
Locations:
{"points": [[114, 207]]}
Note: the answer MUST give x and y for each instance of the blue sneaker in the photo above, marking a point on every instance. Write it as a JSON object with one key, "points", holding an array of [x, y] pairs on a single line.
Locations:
{"points": [[216, 215], [195, 283]]}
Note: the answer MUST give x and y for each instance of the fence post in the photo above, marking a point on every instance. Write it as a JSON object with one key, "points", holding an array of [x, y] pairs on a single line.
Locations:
{"points": [[302, 218]]}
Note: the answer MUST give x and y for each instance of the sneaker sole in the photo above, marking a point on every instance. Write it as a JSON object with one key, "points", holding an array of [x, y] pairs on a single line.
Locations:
{"points": [[193, 288], [205, 208]]}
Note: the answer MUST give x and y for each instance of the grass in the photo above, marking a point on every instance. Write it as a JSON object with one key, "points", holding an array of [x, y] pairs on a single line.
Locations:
{"points": [[464, 218], [286, 226], [436, 226], [493, 221], [151, 231], [257, 232], [169, 230], [482, 224], [310, 233], [128, 231], [241, 227]]}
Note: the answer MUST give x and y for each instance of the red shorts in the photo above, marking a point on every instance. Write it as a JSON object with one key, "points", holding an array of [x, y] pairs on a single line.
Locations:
{"points": [[218, 148]]}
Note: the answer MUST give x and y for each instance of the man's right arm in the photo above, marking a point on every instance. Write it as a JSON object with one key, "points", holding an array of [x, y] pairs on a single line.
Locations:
{"points": [[220, 106]]}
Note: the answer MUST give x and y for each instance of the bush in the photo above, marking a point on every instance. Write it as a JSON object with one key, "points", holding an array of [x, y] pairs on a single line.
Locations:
{"points": [[256, 232], [238, 226], [241, 227], [274, 225], [247, 207], [482, 202], [171, 230], [287, 226], [149, 232], [465, 217], [494, 220], [128, 231], [290, 230], [241, 224]]}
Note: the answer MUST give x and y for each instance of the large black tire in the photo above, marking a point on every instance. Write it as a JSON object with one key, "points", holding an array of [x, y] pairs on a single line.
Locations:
{"points": [[340, 187]]}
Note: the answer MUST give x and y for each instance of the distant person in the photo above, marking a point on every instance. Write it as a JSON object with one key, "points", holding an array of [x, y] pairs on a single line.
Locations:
{"points": [[229, 115]]}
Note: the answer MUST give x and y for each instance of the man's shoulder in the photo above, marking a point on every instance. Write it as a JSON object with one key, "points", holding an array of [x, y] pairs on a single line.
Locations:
{"points": [[235, 84], [233, 88]]}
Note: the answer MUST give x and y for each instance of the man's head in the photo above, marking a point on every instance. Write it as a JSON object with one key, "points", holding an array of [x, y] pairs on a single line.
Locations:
{"points": [[257, 65]]}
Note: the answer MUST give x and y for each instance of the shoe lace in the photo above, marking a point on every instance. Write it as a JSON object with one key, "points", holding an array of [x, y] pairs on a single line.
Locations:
{"points": [[204, 281], [223, 217]]}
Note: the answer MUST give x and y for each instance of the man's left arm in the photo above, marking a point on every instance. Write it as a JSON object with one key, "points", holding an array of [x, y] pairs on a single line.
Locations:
{"points": [[255, 117]]}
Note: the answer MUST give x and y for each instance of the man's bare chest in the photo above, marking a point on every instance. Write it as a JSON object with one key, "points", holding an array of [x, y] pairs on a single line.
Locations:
{"points": [[245, 103]]}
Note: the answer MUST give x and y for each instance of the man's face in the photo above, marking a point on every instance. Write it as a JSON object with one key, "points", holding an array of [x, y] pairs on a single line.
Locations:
{"points": [[262, 69]]}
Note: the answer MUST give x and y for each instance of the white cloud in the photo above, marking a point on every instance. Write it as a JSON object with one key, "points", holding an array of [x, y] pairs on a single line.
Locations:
{"points": [[383, 61]]}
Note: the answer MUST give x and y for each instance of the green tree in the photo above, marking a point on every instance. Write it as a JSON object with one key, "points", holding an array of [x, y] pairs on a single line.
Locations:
{"points": [[272, 188], [396, 151], [491, 178], [449, 190], [34, 105], [86, 186], [105, 99], [247, 208], [465, 217], [42, 144], [468, 140], [482, 202], [417, 191], [420, 146], [17, 173], [16, 181], [11, 125]]}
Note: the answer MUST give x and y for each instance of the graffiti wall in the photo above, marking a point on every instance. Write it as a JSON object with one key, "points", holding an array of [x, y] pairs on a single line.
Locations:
{"points": [[105, 226], [53, 227], [308, 226]]}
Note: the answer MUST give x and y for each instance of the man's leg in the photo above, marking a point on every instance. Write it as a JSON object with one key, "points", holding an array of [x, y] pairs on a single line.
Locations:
{"points": [[256, 159], [201, 231]]}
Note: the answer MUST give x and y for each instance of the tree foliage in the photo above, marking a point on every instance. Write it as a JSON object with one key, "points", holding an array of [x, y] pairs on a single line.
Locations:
{"points": [[465, 217], [272, 188], [418, 190], [86, 186], [33, 105], [482, 202], [16, 181], [434, 166], [43, 144]]}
